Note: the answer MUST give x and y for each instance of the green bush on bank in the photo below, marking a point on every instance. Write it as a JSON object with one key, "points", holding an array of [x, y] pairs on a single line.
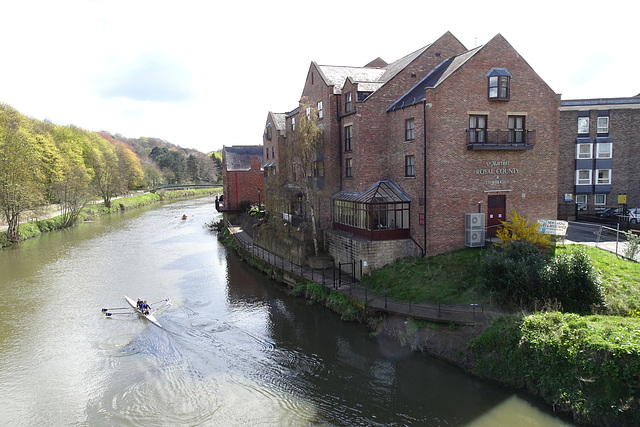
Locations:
{"points": [[585, 365]]}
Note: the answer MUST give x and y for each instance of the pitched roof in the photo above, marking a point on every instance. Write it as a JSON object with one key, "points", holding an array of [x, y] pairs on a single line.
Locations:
{"points": [[435, 77], [368, 78], [239, 157], [279, 120]]}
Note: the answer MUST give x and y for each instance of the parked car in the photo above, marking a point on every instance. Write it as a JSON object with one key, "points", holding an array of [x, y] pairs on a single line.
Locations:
{"points": [[633, 215], [609, 212]]}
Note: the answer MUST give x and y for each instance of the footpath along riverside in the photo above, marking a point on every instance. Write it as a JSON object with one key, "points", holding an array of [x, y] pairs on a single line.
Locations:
{"points": [[334, 279]]}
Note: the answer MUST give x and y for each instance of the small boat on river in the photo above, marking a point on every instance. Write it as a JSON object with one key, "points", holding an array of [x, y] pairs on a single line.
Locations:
{"points": [[150, 317]]}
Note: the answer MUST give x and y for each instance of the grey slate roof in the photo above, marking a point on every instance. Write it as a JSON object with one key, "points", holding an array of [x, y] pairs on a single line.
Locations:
{"points": [[279, 120], [435, 77], [238, 157], [369, 79]]}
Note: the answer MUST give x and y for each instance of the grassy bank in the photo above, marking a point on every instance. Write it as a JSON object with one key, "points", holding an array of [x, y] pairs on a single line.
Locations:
{"points": [[94, 211], [588, 366]]}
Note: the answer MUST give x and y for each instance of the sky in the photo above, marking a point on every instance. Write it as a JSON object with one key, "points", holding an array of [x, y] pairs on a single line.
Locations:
{"points": [[204, 74]]}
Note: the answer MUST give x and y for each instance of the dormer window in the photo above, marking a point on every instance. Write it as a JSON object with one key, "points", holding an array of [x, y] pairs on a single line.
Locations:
{"points": [[267, 132], [499, 81]]}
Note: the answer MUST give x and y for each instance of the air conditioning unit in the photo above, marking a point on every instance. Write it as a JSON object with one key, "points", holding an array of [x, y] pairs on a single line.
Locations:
{"points": [[474, 221], [474, 230]]}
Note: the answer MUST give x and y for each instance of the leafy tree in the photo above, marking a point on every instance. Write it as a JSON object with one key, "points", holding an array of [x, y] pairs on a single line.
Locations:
{"points": [[518, 228], [193, 169], [101, 157], [129, 168], [72, 189], [21, 173]]}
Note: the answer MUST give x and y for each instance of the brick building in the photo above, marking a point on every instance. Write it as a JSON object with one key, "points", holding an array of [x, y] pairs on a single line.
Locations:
{"points": [[242, 176], [599, 154], [412, 147]]}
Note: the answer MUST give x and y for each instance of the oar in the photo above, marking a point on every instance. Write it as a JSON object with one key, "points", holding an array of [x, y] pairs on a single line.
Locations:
{"points": [[117, 308], [162, 300], [111, 314]]}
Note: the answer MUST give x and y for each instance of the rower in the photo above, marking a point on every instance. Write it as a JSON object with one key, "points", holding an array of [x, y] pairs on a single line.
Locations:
{"points": [[140, 304], [145, 307]]}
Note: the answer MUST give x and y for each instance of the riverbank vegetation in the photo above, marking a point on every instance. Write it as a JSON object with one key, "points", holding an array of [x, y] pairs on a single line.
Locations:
{"points": [[42, 164], [570, 332], [96, 210]]}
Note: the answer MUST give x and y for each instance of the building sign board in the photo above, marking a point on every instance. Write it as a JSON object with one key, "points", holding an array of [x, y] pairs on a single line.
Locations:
{"points": [[552, 226]]}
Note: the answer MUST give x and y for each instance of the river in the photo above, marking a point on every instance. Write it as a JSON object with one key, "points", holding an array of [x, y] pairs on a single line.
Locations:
{"points": [[234, 349]]}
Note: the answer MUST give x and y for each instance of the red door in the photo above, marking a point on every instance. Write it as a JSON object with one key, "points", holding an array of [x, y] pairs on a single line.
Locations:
{"points": [[497, 206]]}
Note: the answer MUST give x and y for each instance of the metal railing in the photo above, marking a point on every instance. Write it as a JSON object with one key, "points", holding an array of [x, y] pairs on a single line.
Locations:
{"points": [[346, 283]]}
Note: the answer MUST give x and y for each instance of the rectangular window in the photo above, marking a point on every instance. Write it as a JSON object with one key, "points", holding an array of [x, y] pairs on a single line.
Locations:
{"points": [[603, 124], [583, 151], [583, 177], [499, 87], [347, 102], [349, 167], [603, 176], [308, 111], [516, 129], [273, 152], [603, 150], [320, 111], [600, 199], [293, 123], [318, 169], [477, 129], [347, 138], [409, 125], [409, 165], [583, 125], [581, 200]]}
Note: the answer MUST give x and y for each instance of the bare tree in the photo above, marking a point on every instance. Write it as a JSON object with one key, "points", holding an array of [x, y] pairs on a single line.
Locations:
{"points": [[308, 139]]}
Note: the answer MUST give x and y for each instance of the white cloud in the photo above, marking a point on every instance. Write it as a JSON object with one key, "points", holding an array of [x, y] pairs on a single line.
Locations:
{"points": [[204, 74]]}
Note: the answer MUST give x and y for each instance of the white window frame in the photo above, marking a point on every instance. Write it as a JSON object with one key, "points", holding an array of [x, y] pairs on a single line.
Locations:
{"points": [[293, 123], [603, 124], [600, 154], [604, 180], [308, 113], [584, 180], [600, 199], [581, 199], [583, 124], [320, 111], [580, 155]]}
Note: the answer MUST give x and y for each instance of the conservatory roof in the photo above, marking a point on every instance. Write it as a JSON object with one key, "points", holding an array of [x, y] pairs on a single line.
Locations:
{"points": [[383, 191]]}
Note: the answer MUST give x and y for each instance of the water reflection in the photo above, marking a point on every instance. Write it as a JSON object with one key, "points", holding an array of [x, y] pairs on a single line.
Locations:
{"points": [[234, 349]]}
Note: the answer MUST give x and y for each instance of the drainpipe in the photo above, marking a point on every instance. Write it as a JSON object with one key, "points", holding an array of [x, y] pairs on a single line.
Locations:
{"points": [[424, 155]]}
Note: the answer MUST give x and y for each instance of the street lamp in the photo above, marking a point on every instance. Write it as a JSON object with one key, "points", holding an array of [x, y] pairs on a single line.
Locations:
{"points": [[259, 204]]}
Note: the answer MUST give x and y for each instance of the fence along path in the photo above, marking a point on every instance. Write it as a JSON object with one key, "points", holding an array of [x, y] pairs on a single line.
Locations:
{"points": [[333, 278]]}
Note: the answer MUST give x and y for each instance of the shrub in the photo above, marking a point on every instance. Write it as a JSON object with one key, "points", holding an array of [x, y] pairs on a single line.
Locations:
{"points": [[512, 273], [517, 228], [574, 282]]}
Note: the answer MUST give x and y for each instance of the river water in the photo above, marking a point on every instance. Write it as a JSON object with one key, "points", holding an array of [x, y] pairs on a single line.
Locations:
{"points": [[234, 350]]}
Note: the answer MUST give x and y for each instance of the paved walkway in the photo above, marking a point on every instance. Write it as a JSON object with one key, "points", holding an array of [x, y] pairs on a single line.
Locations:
{"points": [[332, 278]]}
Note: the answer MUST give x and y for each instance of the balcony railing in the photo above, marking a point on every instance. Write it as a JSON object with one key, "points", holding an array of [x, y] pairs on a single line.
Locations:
{"points": [[497, 139]]}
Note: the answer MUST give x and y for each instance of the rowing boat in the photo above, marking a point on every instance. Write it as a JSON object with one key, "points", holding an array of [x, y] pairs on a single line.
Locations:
{"points": [[150, 317]]}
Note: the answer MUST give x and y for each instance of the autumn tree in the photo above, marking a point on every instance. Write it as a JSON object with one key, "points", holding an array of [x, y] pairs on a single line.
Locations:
{"points": [[21, 173]]}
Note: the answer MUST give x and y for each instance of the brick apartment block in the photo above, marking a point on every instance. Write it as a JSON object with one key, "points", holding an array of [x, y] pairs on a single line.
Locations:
{"points": [[426, 154]]}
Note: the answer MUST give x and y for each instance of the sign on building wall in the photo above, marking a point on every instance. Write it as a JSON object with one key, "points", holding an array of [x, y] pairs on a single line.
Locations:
{"points": [[622, 199], [552, 226]]}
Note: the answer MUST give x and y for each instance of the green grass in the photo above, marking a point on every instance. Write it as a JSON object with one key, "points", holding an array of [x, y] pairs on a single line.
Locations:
{"points": [[454, 278], [449, 278]]}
